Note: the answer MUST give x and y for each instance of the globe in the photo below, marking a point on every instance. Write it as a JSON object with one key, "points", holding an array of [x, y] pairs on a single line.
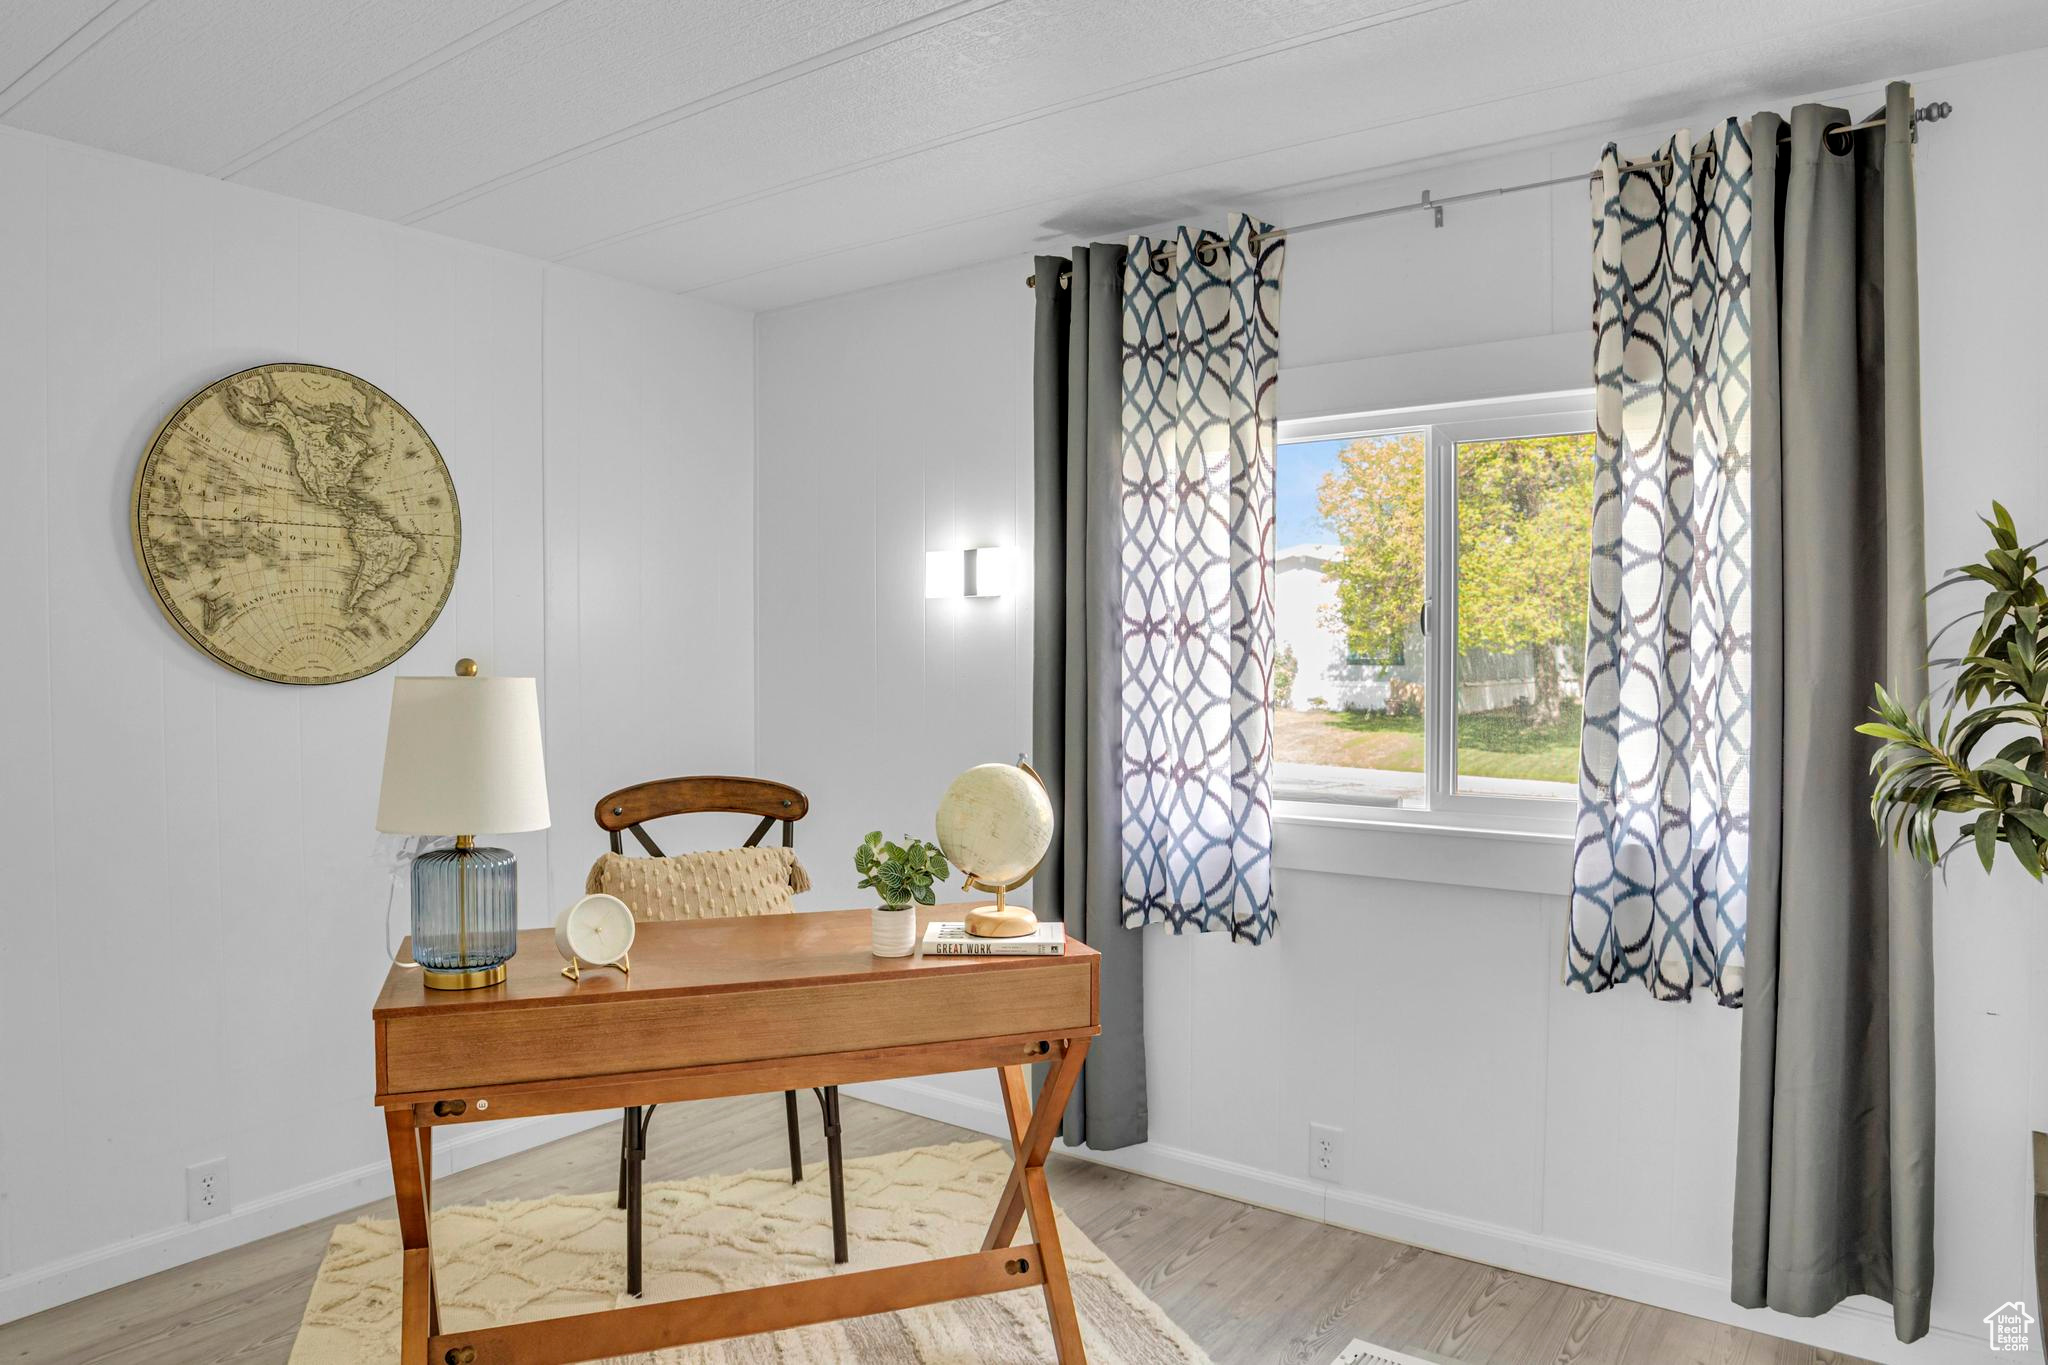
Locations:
{"points": [[995, 823]]}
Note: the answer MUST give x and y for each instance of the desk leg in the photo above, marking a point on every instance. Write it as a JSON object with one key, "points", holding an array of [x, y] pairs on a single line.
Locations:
{"points": [[409, 1179], [1059, 1290], [1016, 1086], [1032, 1132], [426, 1132]]}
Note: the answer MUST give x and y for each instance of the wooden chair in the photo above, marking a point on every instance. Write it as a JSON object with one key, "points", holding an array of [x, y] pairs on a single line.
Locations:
{"points": [[624, 812]]}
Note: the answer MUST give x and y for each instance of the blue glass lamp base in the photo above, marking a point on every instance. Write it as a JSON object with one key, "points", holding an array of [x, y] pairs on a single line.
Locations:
{"points": [[465, 916]]}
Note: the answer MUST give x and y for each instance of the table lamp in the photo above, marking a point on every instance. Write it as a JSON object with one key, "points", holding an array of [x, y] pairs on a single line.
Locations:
{"points": [[463, 755]]}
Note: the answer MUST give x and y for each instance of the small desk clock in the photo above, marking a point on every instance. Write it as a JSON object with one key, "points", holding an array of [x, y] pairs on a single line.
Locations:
{"points": [[596, 931]]}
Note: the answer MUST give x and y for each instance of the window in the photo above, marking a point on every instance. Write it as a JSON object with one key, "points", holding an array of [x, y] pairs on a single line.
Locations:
{"points": [[1431, 609]]}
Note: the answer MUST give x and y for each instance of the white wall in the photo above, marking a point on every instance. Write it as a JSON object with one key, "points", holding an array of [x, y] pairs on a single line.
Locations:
{"points": [[1489, 1111], [872, 698], [190, 934]]}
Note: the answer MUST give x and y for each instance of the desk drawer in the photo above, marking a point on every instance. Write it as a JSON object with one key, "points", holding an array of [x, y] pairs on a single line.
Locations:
{"points": [[451, 1051]]}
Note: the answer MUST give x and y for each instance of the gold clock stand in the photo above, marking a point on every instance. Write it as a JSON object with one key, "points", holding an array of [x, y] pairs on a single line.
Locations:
{"points": [[624, 964]]}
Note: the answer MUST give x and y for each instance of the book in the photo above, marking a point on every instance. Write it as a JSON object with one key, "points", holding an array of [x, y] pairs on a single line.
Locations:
{"points": [[949, 938]]}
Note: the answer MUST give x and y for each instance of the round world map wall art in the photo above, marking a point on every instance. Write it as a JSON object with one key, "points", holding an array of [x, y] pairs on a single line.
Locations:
{"points": [[297, 524]]}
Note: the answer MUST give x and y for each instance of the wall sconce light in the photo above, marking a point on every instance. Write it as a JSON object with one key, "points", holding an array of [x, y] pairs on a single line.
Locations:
{"points": [[980, 572]]}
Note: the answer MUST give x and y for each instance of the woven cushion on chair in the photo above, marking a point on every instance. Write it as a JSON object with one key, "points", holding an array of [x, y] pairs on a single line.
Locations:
{"points": [[712, 885]]}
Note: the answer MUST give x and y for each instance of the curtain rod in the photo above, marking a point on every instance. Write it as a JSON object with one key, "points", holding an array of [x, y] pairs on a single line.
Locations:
{"points": [[1926, 113]]}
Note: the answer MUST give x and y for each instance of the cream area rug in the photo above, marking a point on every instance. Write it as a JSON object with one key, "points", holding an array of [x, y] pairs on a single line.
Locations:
{"points": [[538, 1258]]}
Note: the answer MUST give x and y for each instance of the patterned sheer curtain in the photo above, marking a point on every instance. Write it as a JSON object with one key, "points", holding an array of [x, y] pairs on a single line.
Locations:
{"points": [[1200, 368], [1660, 876]]}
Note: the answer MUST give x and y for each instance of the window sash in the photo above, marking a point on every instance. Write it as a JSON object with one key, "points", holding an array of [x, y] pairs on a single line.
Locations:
{"points": [[1444, 429]]}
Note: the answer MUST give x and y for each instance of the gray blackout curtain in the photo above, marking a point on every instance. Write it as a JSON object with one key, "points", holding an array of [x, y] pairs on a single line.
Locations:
{"points": [[1756, 566], [1835, 1160], [1077, 377]]}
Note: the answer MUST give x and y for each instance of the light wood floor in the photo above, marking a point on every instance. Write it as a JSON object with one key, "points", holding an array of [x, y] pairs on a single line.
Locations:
{"points": [[1252, 1286]]}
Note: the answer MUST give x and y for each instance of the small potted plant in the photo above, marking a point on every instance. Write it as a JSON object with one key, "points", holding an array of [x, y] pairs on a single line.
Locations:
{"points": [[903, 875]]}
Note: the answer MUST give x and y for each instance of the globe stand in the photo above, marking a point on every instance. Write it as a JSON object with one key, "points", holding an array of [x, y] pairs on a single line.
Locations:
{"points": [[1001, 920]]}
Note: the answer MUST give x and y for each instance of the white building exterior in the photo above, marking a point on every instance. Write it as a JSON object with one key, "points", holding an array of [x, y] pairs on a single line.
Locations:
{"points": [[1329, 679], [1305, 621]]}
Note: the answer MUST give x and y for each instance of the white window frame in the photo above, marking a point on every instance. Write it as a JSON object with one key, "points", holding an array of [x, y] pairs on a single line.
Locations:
{"points": [[1445, 427]]}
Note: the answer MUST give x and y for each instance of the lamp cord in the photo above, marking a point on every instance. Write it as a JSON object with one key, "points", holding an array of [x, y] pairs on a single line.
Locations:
{"points": [[390, 948], [393, 854]]}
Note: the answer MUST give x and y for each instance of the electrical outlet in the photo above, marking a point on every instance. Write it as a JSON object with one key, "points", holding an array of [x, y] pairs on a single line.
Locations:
{"points": [[206, 1190], [1325, 1152]]}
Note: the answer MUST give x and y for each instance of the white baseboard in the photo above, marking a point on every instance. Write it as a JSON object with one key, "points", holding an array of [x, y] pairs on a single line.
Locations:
{"points": [[1851, 1328], [1174, 1165], [45, 1286]]}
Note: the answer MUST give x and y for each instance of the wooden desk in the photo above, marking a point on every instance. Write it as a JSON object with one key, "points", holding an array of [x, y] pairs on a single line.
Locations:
{"points": [[733, 1007]]}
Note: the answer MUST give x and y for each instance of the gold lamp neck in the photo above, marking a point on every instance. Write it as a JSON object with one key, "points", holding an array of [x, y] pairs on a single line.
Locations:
{"points": [[465, 841]]}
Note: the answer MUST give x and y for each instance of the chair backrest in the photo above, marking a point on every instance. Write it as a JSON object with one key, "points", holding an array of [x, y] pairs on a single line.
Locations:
{"points": [[625, 810]]}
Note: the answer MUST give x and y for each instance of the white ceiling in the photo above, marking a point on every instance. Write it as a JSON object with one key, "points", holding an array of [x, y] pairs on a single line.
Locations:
{"points": [[764, 152]]}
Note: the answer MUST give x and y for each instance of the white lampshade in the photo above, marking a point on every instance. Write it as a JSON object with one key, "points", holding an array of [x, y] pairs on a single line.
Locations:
{"points": [[463, 756]]}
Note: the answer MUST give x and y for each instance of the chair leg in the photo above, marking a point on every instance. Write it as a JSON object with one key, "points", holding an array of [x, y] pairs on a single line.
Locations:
{"points": [[828, 1100], [796, 1146], [625, 1146], [636, 1152]]}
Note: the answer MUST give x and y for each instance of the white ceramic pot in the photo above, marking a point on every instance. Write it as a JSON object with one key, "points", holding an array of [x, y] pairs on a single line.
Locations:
{"points": [[894, 932]]}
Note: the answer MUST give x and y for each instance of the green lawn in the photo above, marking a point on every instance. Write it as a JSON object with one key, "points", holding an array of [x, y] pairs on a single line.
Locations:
{"points": [[1490, 743]]}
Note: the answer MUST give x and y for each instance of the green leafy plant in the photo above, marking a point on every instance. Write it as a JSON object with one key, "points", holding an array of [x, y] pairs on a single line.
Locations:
{"points": [[901, 873], [1928, 768], [1285, 669], [1523, 522]]}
